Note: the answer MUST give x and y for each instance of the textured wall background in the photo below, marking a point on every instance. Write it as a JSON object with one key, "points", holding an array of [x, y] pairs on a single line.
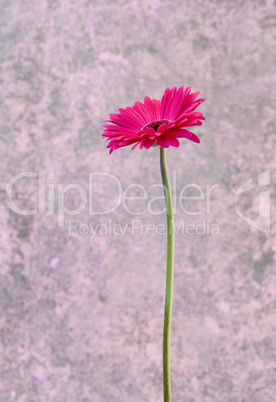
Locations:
{"points": [[81, 319]]}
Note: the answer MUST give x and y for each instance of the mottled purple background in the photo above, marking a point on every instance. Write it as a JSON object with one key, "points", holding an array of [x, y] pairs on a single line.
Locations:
{"points": [[81, 320]]}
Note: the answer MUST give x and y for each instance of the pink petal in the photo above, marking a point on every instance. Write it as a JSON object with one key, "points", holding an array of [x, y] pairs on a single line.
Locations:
{"points": [[162, 128], [194, 138], [157, 104], [150, 108], [195, 105], [150, 131], [176, 104], [163, 141], [174, 142], [181, 121], [142, 111], [182, 133], [188, 102], [164, 100], [148, 143], [135, 145], [171, 99], [192, 122]]}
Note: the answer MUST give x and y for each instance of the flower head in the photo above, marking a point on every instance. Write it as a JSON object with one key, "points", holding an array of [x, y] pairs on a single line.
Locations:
{"points": [[155, 122]]}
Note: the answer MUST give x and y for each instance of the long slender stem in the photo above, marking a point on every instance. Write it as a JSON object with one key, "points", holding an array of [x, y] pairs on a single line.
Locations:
{"points": [[169, 277]]}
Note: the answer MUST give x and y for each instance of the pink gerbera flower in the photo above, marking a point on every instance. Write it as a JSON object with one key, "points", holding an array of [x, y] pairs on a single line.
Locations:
{"points": [[155, 122]]}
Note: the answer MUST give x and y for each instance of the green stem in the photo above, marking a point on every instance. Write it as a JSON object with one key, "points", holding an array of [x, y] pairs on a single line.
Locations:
{"points": [[169, 277]]}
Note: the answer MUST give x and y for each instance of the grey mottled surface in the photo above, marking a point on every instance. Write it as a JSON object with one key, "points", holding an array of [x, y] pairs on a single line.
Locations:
{"points": [[81, 319]]}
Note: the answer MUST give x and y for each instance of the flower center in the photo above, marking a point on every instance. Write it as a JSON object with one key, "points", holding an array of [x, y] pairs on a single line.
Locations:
{"points": [[156, 124]]}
